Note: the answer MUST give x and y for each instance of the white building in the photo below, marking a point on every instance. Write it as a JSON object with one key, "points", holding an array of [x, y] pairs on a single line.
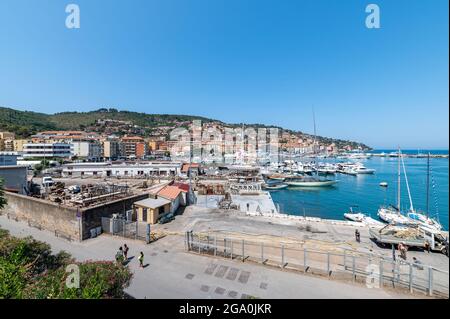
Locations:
{"points": [[41, 150], [91, 150], [104, 169]]}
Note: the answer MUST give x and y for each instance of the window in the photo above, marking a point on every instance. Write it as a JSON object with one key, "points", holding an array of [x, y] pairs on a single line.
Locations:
{"points": [[144, 214]]}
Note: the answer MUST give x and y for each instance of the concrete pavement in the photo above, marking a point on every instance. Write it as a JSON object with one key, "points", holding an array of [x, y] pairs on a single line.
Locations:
{"points": [[174, 273]]}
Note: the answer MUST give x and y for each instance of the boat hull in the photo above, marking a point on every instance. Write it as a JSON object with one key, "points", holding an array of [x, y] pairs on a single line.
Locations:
{"points": [[311, 183]]}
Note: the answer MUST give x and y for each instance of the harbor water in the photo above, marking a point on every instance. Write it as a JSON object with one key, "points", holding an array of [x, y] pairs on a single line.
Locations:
{"points": [[364, 190]]}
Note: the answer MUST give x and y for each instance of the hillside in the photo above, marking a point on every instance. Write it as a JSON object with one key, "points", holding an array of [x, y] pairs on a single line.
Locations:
{"points": [[25, 123]]}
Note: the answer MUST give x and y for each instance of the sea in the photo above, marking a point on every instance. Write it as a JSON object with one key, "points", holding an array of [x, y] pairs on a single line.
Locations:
{"points": [[365, 192]]}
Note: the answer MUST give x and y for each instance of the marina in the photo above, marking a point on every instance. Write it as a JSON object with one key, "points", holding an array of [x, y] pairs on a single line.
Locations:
{"points": [[370, 191]]}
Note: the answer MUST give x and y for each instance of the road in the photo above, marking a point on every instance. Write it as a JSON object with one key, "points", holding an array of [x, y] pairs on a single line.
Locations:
{"points": [[174, 273]]}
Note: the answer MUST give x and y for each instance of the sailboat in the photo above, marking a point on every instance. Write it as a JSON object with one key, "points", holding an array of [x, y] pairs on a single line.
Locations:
{"points": [[391, 214], [310, 181], [425, 220]]}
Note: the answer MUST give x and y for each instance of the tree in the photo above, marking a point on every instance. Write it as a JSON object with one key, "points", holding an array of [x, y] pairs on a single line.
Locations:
{"points": [[3, 201]]}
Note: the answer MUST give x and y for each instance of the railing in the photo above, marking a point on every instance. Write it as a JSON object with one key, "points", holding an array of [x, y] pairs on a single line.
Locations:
{"points": [[370, 269]]}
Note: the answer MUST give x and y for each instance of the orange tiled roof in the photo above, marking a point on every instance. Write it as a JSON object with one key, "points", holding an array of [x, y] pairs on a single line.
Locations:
{"points": [[169, 192]]}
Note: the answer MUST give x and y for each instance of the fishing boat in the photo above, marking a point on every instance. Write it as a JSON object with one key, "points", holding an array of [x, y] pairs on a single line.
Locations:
{"points": [[301, 181]]}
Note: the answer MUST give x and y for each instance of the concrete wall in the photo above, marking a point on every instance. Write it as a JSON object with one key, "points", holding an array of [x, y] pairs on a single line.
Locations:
{"points": [[63, 220], [92, 216], [42, 213]]}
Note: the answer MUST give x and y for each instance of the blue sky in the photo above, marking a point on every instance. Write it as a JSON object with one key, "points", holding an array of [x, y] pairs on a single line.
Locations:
{"points": [[238, 61]]}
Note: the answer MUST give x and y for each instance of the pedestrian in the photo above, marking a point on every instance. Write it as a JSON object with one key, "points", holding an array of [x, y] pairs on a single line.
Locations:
{"points": [[248, 206], [427, 246], [357, 236], [400, 249], [403, 250], [119, 255], [141, 259], [125, 251]]}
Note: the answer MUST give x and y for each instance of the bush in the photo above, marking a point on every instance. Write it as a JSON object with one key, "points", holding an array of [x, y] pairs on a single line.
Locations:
{"points": [[28, 269]]}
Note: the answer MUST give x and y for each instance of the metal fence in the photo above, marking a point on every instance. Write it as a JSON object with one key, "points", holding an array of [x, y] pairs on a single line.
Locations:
{"points": [[371, 269], [124, 228]]}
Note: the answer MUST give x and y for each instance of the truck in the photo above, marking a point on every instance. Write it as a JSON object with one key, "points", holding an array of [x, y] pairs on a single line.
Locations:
{"points": [[47, 181], [411, 236]]}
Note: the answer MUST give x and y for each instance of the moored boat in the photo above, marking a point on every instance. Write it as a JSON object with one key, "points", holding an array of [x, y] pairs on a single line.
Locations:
{"points": [[309, 182]]}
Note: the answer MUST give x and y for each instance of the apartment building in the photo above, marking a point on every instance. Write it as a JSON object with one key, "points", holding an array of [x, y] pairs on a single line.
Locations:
{"points": [[41, 150]]}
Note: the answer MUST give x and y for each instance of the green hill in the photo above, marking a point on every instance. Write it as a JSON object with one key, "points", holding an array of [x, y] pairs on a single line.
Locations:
{"points": [[25, 123]]}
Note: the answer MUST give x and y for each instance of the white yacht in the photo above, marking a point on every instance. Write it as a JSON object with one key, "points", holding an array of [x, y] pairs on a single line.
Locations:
{"points": [[361, 169]]}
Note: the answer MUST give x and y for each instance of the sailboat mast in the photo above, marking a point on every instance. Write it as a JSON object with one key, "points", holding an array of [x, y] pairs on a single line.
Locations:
{"points": [[411, 207], [398, 181], [315, 133], [428, 185]]}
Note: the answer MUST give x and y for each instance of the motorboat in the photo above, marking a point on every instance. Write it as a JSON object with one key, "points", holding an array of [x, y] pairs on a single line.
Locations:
{"points": [[275, 186], [384, 184], [325, 169], [303, 168], [302, 181], [357, 216], [361, 169]]}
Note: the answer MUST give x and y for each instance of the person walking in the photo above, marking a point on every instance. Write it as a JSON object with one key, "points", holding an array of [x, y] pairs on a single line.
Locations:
{"points": [[403, 250], [427, 246], [119, 255], [357, 236], [125, 252], [141, 259]]}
